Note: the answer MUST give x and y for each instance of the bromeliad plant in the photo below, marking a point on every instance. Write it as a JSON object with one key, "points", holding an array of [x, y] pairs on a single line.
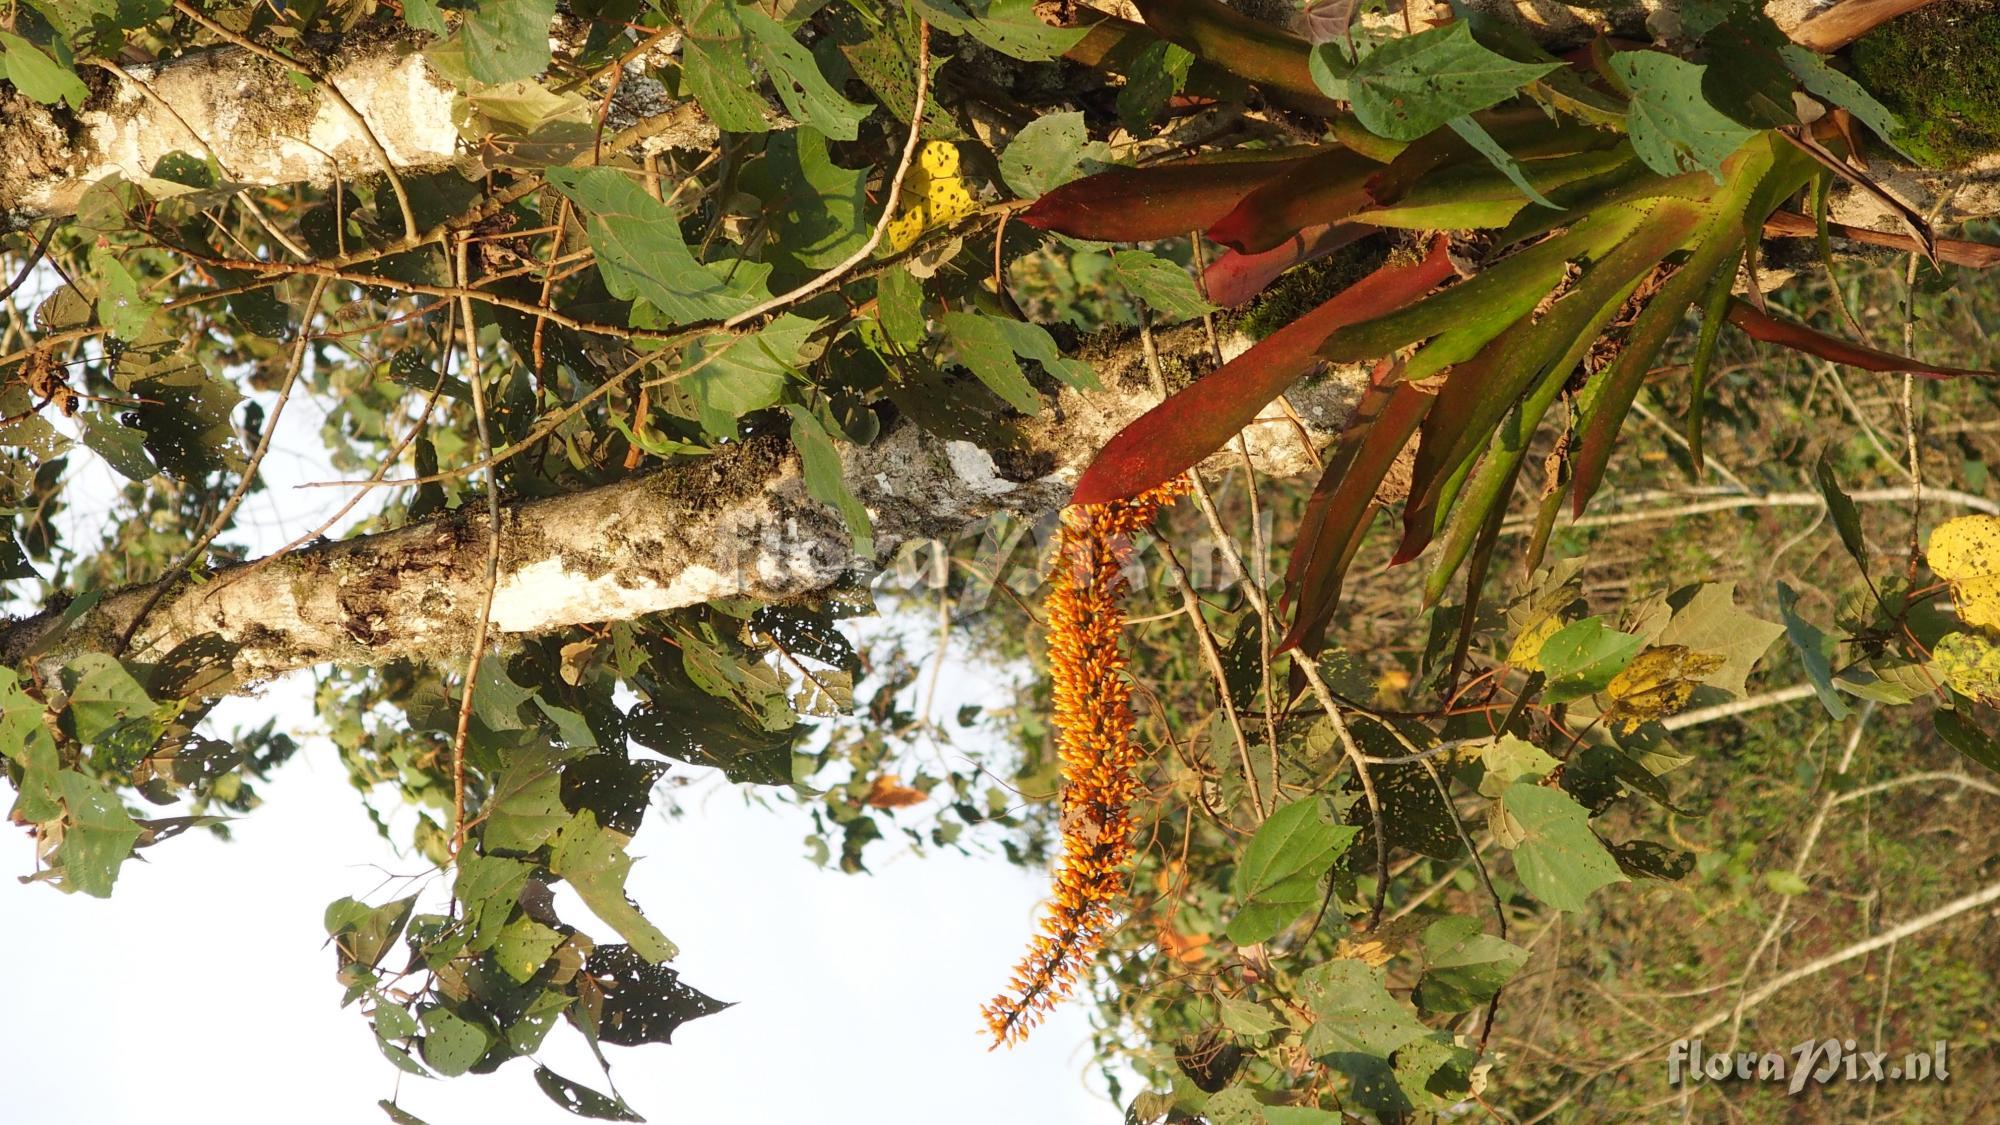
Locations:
{"points": [[1579, 208]]}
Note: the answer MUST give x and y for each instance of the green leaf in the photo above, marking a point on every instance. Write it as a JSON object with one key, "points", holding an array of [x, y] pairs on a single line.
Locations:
{"points": [[718, 75], [899, 298], [1278, 876], [39, 76], [1646, 859], [594, 862], [487, 887], [1473, 133], [1353, 1012], [526, 817], [640, 251], [1744, 77], [824, 480], [582, 1100], [988, 346], [723, 36], [816, 208], [801, 86], [507, 39], [120, 307], [1673, 128], [1151, 81], [1967, 737], [1785, 883], [397, 1113], [1583, 657], [1709, 620], [121, 446], [1511, 759], [1822, 81], [1464, 966], [524, 947], [423, 15], [1048, 153], [361, 933], [27, 742], [97, 836], [732, 375], [103, 694], [184, 410], [1816, 651], [1010, 27], [1559, 859], [496, 698], [1846, 517], [1885, 679], [1166, 288], [644, 1003], [452, 1044], [1407, 87], [982, 347], [1247, 1020]]}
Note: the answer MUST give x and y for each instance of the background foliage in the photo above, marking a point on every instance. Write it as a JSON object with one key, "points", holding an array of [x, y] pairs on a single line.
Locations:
{"points": [[1405, 843]]}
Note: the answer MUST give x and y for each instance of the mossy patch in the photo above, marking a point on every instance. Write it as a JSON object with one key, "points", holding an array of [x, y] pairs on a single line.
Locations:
{"points": [[1306, 287], [1938, 68]]}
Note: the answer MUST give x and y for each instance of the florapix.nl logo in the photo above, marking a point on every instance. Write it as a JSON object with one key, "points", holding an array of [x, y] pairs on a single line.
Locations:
{"points": [[1818, 1061]]}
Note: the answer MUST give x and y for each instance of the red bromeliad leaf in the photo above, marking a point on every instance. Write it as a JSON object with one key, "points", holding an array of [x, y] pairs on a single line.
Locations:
{"points": [[1160, 201], [1245, 47], [1235, 277], [1321, 189], [1344, 504], [1771, 330], [1175, 435]]}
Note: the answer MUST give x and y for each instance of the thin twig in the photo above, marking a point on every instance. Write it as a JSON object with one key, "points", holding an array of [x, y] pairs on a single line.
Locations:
{"points": [[1770, 500], [35, 255], [473, 375], [1192, 603]]}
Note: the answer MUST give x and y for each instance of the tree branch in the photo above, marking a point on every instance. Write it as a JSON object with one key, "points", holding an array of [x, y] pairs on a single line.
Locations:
{"points": [[737, 523]]}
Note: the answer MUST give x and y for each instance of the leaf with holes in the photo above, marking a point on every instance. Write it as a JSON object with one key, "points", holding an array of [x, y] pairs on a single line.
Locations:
{"points": [[1407, 87]]}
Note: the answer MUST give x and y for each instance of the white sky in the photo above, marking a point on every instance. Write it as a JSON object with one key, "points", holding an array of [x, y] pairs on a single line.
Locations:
{"points": [[202, 991]]}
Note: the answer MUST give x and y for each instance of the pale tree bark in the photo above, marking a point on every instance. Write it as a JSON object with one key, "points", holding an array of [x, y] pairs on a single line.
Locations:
{"points": [[738, 524]]}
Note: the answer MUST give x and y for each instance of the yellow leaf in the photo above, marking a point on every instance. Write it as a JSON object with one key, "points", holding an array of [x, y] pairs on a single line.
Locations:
{"points": [[1966, 553], [1969, 663], [1657, 683], [938, 159], [1526, 651]]}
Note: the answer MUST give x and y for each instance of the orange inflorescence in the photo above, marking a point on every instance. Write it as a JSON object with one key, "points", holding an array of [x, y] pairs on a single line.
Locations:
{"points": [[1093, 719]]}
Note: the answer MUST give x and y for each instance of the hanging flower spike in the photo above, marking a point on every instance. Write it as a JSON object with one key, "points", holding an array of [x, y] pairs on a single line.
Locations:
{"points": [[1093, 720]]}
